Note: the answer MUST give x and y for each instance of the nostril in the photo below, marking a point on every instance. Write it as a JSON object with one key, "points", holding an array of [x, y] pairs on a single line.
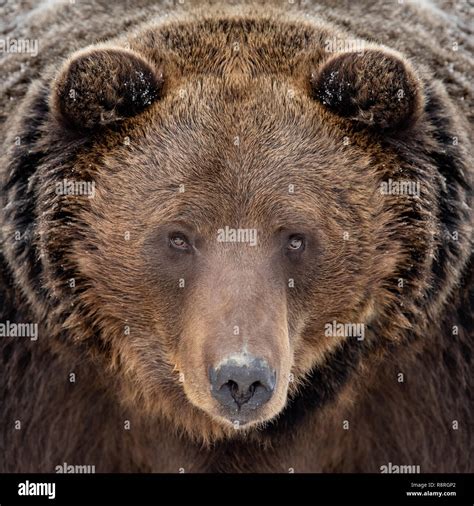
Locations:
{"points": [[253, 386], [232, 386]]}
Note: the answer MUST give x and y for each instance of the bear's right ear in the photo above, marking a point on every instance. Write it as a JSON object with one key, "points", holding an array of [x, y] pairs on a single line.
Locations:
{"points": [[377, 88], [100, 86]]}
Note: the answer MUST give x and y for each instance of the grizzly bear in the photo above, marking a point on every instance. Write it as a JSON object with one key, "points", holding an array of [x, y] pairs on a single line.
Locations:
{"points": [[236, 237]]}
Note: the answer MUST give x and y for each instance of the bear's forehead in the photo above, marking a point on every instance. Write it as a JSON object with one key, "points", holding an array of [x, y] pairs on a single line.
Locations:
{"points": [[265, 138], [245, 43], [260, 167]]}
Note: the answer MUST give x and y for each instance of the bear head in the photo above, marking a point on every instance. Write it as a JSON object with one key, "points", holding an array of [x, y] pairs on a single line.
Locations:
{"points": [[225, 211]]}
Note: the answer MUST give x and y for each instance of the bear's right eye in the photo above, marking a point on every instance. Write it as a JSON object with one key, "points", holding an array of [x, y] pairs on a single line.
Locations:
{"points": [[296, 243], [179, 241]]}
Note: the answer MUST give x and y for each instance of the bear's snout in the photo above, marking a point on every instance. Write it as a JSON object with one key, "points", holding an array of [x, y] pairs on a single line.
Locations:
{"points": [[234, 352], [242, 384]]}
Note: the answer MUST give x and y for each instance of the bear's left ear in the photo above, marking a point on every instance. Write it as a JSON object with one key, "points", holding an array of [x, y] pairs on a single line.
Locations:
{"points": [[376, 88], [102, 85]]}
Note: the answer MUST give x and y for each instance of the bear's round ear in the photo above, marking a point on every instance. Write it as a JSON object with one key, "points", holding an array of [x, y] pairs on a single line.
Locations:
{"points": [[100, 86], [377, 88]]}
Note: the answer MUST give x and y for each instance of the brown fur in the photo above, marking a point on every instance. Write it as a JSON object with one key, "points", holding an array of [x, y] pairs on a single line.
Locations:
{"points": [[237, 103]]}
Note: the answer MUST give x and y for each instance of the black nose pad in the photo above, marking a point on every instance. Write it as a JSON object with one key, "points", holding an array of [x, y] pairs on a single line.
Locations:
{"points": [[237, 383]]}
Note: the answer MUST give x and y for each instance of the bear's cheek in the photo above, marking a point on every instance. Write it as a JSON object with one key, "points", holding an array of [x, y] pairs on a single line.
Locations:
{"points": [[334, 292]]}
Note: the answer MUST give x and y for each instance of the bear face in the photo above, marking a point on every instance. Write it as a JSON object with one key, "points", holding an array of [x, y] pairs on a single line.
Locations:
{"points": [[191, 210], [221, 239]]}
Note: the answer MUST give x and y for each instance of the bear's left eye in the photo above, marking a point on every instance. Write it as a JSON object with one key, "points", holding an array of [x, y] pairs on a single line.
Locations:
{"points": [[179, 241], [296, 243]]}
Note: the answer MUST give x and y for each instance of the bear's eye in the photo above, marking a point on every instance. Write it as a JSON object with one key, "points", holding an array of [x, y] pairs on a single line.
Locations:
{"points": [[296, 243], [179, 241]]}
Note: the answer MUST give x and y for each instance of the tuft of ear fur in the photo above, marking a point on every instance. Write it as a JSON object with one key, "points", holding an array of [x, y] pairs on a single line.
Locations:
{"points": [[103, 85], [377, 88]]}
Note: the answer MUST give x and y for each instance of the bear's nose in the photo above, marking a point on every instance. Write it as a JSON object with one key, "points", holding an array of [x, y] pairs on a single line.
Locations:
{"points": [[242, 381]]}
